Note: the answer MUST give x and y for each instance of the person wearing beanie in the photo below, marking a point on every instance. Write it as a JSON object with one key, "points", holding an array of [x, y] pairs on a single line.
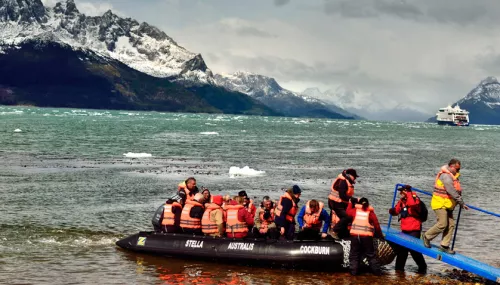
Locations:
{"points": [[212, 222], [341, 192], [286, 210]]}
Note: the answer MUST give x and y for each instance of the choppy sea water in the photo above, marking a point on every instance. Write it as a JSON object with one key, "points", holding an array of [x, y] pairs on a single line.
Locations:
{"points": [[73, 182]]}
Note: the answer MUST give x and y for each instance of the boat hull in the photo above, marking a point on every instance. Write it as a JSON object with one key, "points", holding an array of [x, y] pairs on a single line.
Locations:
{"points": [[324, 255], [448, 123]]}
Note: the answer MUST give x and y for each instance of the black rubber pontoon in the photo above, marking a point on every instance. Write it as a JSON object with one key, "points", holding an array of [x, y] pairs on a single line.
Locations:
{"points": [[321, 255]]}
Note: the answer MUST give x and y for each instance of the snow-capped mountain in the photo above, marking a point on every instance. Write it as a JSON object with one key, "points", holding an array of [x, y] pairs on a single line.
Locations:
{"points": [[139, 45], [269, 92], [368, 105], [482, 102]]}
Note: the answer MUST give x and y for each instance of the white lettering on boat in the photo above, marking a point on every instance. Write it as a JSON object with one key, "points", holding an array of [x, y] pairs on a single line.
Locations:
{"points": [[324, 250], [240, 246], [194, 243]]}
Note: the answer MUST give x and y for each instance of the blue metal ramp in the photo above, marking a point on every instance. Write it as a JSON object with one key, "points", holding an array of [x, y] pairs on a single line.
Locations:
{"points": [[458, 260]]}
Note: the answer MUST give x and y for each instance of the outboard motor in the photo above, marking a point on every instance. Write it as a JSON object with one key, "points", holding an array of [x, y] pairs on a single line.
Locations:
{"points": [[157, 217]]}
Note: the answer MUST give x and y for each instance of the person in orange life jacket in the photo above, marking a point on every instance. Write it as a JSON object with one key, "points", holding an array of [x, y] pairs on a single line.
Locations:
{"points": [[207, 197], [447, 193], [167, 216], [187, 189], [310, 218], [408, 209], [341, 193], [264, 226], [248, 203], [364, 228], [238, 219], [191, 215], [212, 222], [286, 209]]}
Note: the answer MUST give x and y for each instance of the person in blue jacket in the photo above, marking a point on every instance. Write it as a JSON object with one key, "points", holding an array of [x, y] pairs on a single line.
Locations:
{"points": [[313, 219]]}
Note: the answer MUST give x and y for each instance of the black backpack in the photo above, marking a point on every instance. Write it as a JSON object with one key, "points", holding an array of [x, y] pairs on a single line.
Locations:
{"points": [[424, 213]]}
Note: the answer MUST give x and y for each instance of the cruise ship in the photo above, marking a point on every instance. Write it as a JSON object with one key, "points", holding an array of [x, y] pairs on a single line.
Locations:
{"points": [[453, 116]]}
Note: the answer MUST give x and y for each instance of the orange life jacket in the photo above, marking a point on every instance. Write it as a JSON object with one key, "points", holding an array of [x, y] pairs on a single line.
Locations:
{"points": [[233, 225], [361, 223], [334, 193], [207, 225], [186, 221], [182, 186], [290, 216], [311, 220], [168, 214], [439, 189], [264, 223]]}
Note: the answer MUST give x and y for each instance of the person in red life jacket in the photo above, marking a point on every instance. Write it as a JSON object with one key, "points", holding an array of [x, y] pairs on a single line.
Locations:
{"points": [[212, 222], [238, 219], [341, 193], [364, 228], [187, 189], [191, 215], [264, 220], [313, 219], [167, 216], [408, 209], [248, 203], [447, 194], [286, 209]]}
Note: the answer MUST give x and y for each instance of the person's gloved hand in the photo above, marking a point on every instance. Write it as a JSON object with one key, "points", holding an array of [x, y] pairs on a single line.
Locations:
{"points": [[323, 235], [392, 211]]}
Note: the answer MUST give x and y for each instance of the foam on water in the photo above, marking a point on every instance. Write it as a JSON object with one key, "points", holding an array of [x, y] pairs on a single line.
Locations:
{"points": [[17, 130], [235, 171], [209, 133], [137, 155]]}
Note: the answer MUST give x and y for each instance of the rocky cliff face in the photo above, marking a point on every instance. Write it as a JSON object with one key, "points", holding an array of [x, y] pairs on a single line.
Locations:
{"points": [[269, 92]]}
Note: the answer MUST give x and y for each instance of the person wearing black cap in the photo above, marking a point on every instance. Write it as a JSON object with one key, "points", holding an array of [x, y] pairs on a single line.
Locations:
{"points": [[341, 193], [248, 203], [286, 210]]}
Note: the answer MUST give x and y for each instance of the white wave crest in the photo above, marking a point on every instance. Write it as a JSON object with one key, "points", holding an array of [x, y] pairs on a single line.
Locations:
{"points": [[209, 133], [136, 155], [235, 171], [17, 130]]}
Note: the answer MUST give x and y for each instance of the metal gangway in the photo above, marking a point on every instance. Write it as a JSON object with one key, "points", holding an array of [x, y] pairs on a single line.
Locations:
{"points": [[458, 260]]}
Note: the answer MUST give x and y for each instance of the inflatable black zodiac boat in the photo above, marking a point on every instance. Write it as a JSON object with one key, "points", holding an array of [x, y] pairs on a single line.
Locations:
{"points": [[325, 255]]}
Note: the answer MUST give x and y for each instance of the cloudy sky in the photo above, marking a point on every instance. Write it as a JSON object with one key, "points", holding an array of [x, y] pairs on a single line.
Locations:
{"points": [[425, 52]]}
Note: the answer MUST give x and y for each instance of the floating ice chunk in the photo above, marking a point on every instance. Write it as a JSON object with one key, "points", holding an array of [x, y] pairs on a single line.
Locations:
{"points": [[245, 171], [209, 133], [17, 130], [136, 155]]}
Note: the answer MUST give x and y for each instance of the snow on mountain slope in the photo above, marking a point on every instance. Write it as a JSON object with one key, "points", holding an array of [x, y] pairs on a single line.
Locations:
{"points": [[139, 45], [268, 91]]}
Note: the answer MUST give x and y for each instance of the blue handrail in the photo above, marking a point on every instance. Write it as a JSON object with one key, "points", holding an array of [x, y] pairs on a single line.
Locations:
{"points": [[430, 194]]}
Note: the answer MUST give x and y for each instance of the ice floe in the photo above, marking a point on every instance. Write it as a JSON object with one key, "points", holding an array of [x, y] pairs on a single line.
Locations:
{"points": [[235, 171], [137, 155]]}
